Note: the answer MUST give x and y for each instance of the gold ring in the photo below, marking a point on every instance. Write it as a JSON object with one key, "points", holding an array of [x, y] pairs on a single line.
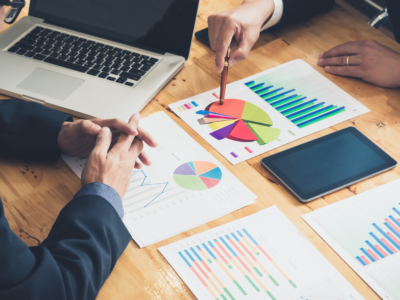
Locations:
{"points": [[347, 61]]}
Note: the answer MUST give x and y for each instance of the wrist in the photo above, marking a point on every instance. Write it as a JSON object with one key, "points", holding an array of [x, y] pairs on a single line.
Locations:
{"points": [[64, 127], [264, 8]]}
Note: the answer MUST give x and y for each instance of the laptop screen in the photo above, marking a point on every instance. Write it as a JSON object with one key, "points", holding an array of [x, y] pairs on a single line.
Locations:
{"points": [[159, 25]]}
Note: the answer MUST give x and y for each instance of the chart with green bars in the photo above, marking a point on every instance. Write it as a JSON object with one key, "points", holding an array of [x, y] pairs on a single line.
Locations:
{"points": [[301, 100], [261, 256], [236, 250]]}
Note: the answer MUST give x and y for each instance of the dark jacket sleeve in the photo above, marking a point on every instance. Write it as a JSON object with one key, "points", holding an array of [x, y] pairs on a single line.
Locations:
{"points": [[295, 11], [74, 261], [393, 7], [29, 130]]}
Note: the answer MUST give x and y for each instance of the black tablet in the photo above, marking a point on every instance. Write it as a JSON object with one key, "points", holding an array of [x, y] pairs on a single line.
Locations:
{"points": [[202, 36], [327, 164]]}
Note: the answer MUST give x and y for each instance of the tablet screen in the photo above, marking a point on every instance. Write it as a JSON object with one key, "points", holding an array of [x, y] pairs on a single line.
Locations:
{"points": [[328, 163]]}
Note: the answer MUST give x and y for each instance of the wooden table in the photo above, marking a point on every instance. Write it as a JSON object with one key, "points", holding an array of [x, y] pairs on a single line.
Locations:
{"points": [[33, 193]]}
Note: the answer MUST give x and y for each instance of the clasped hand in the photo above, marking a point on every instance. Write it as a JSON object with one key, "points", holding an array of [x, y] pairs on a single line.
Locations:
{"points": [[114, 148]]}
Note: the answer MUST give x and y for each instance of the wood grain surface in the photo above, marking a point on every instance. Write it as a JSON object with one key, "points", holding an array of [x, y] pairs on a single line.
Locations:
{"points": [[33, 193]]}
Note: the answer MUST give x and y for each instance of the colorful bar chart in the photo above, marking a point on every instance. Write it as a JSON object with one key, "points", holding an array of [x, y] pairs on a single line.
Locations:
{"points": [[234, 251], [265, 253], [261, 256], [187, 106], [365, 231], [300, 110], [384, 242]]}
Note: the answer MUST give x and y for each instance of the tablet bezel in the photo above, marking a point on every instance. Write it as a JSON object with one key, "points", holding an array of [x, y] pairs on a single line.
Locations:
{"points": [[267, 162]]}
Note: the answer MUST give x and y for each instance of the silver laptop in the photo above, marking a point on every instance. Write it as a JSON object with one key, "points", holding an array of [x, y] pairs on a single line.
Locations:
{"points": [[94, 58]]}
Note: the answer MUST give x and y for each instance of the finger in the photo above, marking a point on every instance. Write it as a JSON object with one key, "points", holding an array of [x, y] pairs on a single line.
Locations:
{"points": [[117, 124], [146, 137], [145, 159], [138, 165], [350, 48], [353, 60], [211, 31], [349, 71], [124, 141], [218, 21], [135, 150], [245, 45], [88, 127], [224, 41], [103, 142]]}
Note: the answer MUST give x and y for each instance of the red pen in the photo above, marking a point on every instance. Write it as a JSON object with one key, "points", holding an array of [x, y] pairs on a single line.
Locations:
{"points": [[224, 77]]}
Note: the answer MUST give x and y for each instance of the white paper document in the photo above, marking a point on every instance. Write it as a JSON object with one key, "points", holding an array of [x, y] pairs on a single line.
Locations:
{"points": [[262, 256], [365, 231], [268, 110], [183, 188]]}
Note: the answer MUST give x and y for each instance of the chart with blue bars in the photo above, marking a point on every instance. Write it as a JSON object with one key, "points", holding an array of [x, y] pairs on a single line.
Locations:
{"points": [[234, 251], [385, 241], [297, 106]]}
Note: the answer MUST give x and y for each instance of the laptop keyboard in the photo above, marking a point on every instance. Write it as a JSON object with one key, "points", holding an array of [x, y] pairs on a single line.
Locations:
{"points": [[83, 55]]}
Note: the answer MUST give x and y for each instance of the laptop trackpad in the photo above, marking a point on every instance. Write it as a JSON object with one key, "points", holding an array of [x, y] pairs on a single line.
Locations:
{"points": [[51, 84]]}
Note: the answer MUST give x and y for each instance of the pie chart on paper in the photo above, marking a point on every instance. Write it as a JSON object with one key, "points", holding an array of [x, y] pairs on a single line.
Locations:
{"points": [[240, 121], [197, 175]]}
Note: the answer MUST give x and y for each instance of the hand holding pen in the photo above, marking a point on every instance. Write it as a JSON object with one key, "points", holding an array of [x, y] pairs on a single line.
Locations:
{"points": [[240, 28]]}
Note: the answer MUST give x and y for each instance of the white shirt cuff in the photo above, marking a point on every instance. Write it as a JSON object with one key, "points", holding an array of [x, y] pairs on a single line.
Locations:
{"points": [[276, 16]]}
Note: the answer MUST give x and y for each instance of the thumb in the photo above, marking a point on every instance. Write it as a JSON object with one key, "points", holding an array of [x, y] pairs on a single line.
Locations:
{"points": [[103, 142], [88, 127]]}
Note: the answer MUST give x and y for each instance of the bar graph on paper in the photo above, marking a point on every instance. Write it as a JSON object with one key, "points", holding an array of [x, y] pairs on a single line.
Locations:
{"points": [[365, 231], [385, 240], [267, 110], [248, 259], [301, 100], [237, 250]]}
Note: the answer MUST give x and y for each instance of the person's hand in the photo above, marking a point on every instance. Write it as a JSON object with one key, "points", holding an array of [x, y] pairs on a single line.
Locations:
{"points": [[239, 26], [368, 60], [113, 167], [1, 16], [78, 138]]}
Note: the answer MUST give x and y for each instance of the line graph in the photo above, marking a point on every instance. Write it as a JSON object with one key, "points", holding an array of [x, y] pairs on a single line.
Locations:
{"points": [[149, 184]]}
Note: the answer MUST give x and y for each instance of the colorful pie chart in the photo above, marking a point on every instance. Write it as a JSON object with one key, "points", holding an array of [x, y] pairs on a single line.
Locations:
{"points": [[245, 122], [197, 175]]}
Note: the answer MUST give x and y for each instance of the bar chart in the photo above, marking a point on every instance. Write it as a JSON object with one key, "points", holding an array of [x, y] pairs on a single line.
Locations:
{"points": [[268, 110], [237, 250], [385, 240], [299, 109], [365, 231], [369, 231], [187, 106], [248, 259]]}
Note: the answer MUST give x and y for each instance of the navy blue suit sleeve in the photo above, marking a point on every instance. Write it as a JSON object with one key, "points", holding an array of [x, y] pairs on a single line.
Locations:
{"points": [[29, 130], [295, 11], [74, 261], [393, 7]]}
